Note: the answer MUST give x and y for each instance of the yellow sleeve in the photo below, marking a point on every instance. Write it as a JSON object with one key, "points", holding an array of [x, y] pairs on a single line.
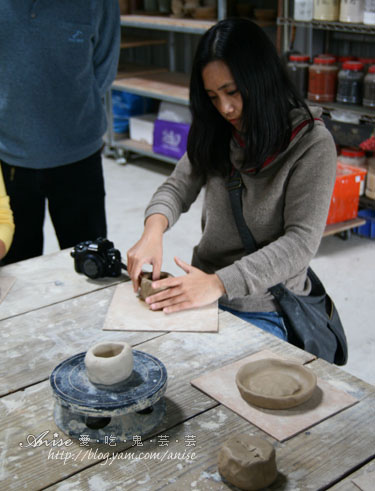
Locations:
{"points": [[6, 216]]}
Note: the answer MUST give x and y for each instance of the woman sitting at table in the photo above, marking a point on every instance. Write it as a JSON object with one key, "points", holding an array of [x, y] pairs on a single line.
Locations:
{"points": [[246, 115]]}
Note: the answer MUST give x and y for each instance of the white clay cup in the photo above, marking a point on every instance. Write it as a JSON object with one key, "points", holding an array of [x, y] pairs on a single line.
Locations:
{"points": [[109, 363]]}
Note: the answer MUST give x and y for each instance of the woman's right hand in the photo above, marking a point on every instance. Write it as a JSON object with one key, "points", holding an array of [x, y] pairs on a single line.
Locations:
{"points": [[148, 250]]}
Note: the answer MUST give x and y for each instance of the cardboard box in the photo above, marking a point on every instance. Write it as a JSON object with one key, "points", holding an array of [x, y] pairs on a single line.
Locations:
{"points": [[345, 196], [141, 128], [170, 138]]}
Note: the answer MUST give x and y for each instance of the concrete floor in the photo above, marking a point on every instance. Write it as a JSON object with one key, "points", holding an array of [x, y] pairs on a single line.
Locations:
{"points": [[346, 267]]}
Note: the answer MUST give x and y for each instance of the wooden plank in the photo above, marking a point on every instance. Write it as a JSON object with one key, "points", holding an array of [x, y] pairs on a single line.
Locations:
{"points": [[127, 70], [185, 355], [136, 42], [165, 85], [166, 23], [336, 228], [144, 149], [353, 481], [311, 460], [45, 280], [31, 345]]}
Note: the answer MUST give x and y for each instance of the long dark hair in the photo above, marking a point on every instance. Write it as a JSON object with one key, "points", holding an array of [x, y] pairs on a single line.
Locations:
{"points": [[267, 93]]}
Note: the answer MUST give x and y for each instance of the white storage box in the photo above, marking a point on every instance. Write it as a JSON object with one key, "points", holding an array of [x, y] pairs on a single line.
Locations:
{"points": [[141, 128], [177, 113]]}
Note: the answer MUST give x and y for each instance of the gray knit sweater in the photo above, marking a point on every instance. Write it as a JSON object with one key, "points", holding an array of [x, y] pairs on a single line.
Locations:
{"points": [[285, 206]]}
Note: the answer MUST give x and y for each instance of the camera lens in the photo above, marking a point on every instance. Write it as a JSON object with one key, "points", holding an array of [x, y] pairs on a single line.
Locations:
{"points": [[93, 266]]}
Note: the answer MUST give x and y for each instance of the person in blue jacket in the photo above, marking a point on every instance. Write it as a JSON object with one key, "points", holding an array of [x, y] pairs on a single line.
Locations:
{"points": [[58, 59]]}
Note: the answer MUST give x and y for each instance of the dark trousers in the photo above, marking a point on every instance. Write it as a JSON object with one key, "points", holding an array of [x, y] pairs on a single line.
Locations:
{"points": [[75, 195]]}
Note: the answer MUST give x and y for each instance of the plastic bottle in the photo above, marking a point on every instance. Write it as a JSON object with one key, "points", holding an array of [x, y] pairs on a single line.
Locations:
{"points": [[298, 69], [350, 83], [322, 79], [326, 10], [369, 88], [303, 10], [369, 13], [351, 11]]}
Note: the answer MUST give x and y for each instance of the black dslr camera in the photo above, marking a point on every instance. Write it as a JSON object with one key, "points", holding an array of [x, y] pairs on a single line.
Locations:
{"points": [[97, 258]]}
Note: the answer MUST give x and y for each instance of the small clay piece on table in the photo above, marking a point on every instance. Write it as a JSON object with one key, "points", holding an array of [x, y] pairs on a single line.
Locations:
{"points": [[146, 282], [248, 462], [109, 363], [275, 384]]}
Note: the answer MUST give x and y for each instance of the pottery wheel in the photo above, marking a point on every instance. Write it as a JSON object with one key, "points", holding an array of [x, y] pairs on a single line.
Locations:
{"points": [[132, 407]]}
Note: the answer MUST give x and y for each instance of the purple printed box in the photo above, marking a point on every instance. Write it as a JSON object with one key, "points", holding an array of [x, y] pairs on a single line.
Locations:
{"points": [[170, 138]]}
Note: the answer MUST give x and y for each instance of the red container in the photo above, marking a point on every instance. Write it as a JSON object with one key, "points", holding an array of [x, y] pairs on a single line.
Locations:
{"points": [[323, 79], [345, 196]]}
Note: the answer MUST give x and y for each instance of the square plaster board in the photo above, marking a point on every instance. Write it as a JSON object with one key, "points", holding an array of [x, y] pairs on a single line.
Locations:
{"points": [[281, 424], [127, 312], [6, 283], [365, 482]]}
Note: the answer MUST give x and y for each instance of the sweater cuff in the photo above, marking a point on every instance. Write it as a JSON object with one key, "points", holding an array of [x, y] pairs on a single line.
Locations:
{"points": [[162, 210], [233, 281]]}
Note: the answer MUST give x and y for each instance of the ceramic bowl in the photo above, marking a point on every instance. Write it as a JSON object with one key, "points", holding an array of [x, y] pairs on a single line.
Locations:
{"points": [[270, 374]]}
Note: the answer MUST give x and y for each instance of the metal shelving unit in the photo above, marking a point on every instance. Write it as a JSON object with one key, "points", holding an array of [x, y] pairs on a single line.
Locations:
{"points": [[189, 26], [347, 134], [164, 86], [285, 25], [328, 25], [155, 83]]}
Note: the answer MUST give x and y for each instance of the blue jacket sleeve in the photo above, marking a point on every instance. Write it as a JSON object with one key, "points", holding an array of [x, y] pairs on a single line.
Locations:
{"points": [[107, 44]]}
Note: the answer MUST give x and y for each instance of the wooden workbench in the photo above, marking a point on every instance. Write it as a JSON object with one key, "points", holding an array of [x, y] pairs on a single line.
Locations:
{"points": [[51, 313]]}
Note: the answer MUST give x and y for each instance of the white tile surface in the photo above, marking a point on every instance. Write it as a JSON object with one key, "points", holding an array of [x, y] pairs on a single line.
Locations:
{"points": [[346, 267]]}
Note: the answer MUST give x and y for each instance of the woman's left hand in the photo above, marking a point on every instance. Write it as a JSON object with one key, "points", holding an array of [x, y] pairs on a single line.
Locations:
{"points": [[195, 289]]}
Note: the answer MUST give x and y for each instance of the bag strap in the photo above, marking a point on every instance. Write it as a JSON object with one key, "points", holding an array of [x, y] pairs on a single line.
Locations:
{"points": [[234, 186]]}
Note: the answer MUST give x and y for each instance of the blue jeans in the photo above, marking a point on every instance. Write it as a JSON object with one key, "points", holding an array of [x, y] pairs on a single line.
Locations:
{"points": [[271, 322]]}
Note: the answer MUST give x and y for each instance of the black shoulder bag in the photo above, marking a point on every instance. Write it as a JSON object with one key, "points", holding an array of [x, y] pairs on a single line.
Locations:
{"points": [[312, 321]]}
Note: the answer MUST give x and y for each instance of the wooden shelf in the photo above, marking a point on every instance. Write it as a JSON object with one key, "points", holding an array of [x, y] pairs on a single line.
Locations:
{"points": [[136, 42], [134, 70], [142, 149], [159, 23], [166, 86], [336, 228]]}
